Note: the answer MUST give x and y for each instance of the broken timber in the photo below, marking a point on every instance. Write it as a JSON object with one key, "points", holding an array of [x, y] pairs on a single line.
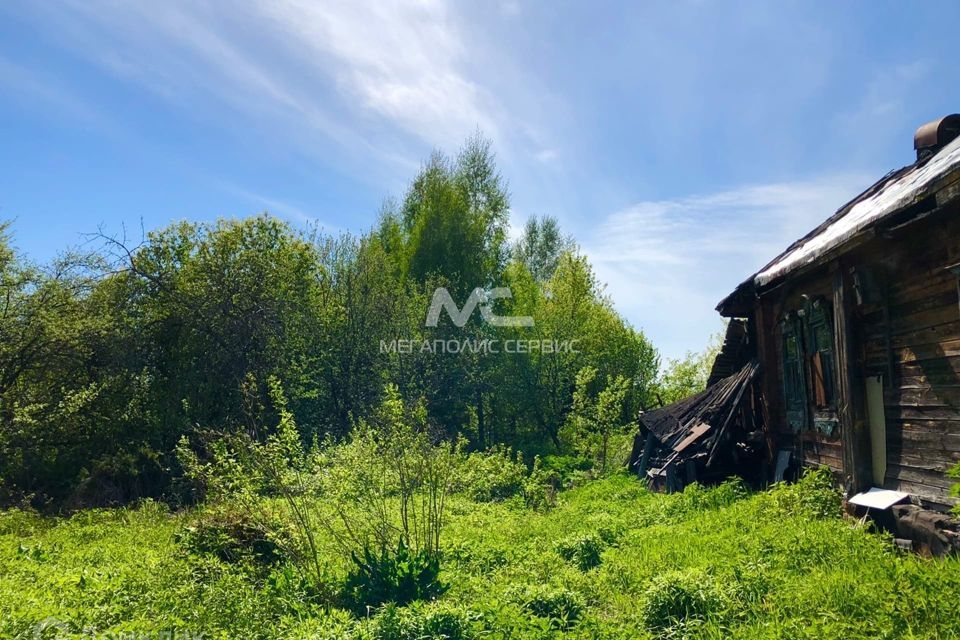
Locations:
{"points": [[707, 436]]}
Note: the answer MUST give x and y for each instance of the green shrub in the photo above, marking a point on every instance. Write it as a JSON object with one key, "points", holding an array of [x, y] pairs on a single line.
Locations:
{"points": [[570, 470], [561, 606], [233, 536], [814, 495], [490, 476], [582, 550], [293, 593], [954, 472], [697, 497], [419, 622], [540, 489], [399, 576], [752, 582], [21, 522], [477, 557], [678, 597]]}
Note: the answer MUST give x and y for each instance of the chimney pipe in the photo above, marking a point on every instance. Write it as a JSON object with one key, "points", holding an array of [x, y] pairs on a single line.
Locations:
{"points": [[935, 135]]}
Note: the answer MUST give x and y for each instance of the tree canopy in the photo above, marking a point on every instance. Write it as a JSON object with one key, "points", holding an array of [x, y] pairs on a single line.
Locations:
{"points": [[109, 359]]}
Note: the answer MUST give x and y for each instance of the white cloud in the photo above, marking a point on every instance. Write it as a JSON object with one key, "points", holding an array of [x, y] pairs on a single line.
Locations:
{"points": [[888, 103], [32, 87], [400, 60], [363, 79], [284, 208], [668, 263], [887, 94], [547, 156]]}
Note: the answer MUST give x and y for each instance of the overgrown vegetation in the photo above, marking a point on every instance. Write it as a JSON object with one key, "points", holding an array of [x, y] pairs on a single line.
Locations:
{"points": [[610, 560], [278, 465], [111, 359], [688, 375]]}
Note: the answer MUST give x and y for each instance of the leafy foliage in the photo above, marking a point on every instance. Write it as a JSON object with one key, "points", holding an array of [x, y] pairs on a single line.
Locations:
{"points": [[709, 562], [561, 607], [397, 575], [420, 623], [582, 550], [688, 375], [815, 495], [598, 413], [115, 362], [491, 475], [954, 472], [232, 536], [541, 247], [678, 598]]}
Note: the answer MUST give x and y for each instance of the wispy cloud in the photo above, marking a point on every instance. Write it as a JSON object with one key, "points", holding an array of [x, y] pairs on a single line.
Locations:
{"points": [[338, 78], [887, 94], [886, 105], [399, 60], [671, 261], [283, 208], [35, 88]]}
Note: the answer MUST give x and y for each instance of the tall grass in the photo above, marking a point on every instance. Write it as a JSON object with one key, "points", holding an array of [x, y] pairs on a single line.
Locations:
{"points": [[611, 560]]}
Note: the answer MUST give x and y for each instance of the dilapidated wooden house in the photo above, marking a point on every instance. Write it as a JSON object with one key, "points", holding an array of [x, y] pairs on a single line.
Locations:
{"points": [[850, 340]]}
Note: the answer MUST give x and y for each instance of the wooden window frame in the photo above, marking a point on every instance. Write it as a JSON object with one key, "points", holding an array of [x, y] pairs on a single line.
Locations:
{"points": [[811, 327]]}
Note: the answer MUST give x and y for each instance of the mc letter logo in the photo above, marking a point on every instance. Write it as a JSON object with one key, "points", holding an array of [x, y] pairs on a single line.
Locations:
{"points": [[459, 317]]}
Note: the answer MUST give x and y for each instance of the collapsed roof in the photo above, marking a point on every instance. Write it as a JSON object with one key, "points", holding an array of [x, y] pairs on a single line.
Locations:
{"points": [[688, 434]]}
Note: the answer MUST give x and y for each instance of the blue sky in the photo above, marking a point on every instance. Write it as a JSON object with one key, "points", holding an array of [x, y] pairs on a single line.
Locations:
{"points": [[682, 143]]}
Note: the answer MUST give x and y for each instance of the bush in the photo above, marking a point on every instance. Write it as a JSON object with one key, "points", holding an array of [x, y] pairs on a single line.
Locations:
{"points": [[582, 550], [697, 498], [293, 593], [570, 470], [954, 472], [492, 475], [233, 536], [21, 522], [420, 623], [477, 557], [540, 489], [558, 605], [399, 576], [815, 495], [679, 597]]}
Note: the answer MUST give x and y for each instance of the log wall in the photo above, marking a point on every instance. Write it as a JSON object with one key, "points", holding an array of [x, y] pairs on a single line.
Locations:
{"points": [[907, 324], [911, 337]]}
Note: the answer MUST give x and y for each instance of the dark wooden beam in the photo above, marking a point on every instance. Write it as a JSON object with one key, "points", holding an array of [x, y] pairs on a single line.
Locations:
{"points": [[645, 459]]}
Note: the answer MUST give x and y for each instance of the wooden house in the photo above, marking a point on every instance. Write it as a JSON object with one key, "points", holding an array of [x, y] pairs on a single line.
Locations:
{"points": [[843, 351], [856, 328]]}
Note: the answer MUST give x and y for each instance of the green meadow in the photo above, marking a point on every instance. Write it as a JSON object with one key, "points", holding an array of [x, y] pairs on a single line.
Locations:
{"points": [[608, 560]]}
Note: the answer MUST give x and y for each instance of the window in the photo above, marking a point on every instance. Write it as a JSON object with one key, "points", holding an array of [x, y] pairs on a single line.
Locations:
{"points": [[821, 355], [793, 379], [809, 379]]}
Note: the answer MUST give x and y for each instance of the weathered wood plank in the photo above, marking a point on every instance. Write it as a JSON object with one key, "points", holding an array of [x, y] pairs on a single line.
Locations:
{"points": [[940, 372], [936, 495], [922, 413], [926, 441], [924, 335], [920, 476], [934, 460], [930, 313]]}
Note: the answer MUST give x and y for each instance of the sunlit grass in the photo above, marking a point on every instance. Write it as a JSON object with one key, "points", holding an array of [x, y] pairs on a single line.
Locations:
{"points": [[710, 563]]}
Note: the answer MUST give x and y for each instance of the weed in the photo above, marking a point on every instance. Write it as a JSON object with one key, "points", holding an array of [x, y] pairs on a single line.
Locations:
{"points": [[397, 576]]}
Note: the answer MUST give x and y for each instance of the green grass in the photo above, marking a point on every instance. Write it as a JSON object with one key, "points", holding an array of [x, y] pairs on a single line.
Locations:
{"points": [[610, 561]]}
